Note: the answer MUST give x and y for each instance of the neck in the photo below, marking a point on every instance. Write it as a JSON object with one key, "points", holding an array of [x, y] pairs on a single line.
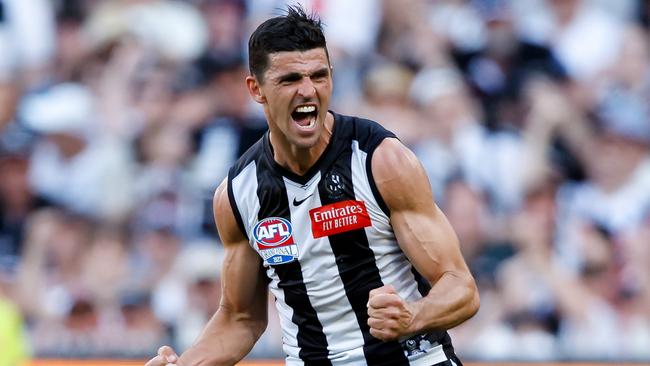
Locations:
{"points": [[299, 159]]}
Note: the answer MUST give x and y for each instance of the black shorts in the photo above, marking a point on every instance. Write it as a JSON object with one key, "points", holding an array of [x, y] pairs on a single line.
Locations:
{"points": [[412, 346]]}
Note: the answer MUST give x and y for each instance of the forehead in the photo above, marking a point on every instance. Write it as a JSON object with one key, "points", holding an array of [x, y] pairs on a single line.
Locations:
{"points": [[296, 61]]}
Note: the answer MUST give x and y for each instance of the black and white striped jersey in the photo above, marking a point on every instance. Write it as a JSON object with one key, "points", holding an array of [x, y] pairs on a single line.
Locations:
{"points": [[325, 240]]}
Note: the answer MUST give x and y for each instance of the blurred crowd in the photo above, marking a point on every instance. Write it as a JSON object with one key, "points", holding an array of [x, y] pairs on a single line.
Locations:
{"points": [[118, 119]]}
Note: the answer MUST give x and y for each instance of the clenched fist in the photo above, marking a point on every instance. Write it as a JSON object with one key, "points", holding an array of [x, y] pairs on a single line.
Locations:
{"points": [[389, 316]]}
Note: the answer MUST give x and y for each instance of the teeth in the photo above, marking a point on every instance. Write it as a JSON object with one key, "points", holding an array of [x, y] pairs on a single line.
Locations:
{"points": [[306, 109]]}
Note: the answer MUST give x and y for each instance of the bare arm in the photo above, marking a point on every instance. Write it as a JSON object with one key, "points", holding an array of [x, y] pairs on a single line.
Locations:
{"points": [[427, 239], [242, 316]]}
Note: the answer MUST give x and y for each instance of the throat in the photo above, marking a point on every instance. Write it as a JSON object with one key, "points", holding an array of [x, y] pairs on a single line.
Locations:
{"points": [[298, 159]]}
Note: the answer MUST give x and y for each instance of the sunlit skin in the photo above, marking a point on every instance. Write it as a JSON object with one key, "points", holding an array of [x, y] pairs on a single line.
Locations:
{"points": [[292, 79]]}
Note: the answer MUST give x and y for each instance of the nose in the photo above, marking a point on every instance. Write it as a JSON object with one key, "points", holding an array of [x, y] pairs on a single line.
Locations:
{"points": [[306, 88]]}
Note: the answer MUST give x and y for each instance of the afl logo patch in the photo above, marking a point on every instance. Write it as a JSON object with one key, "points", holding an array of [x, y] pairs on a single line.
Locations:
{"points": [[272, 231], [274, 240]]}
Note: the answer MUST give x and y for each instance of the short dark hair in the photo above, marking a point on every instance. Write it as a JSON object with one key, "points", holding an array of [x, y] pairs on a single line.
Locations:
{"points": [[294, 31]]}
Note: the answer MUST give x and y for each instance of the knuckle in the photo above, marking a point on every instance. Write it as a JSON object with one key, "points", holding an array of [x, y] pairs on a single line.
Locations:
{"points": [[386, 313], [395, 299], [377, 334], [381, 313]]}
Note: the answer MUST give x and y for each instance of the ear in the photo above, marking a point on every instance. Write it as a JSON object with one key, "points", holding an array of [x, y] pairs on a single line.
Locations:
{"points": [[255, 90]]}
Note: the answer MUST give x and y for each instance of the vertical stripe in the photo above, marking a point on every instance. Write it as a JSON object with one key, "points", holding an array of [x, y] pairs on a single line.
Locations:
{"points": [[235, 209], [248, 206], [324, 286], [394, 267], [373, 185], [423, 284], [244, 205], [322, 296], [448, 348], [274, 202], [289, 329], [356, 263]]}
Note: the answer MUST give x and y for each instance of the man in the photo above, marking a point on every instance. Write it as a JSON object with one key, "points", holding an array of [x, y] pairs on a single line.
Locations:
{"points": [[335, 216]]}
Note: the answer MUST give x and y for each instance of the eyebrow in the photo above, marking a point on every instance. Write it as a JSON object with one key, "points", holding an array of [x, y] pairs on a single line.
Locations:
{"points": [[321, 72], [294, 76]]}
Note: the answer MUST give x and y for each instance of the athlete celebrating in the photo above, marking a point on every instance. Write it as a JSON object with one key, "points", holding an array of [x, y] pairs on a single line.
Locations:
{"points": [[335, 216]]}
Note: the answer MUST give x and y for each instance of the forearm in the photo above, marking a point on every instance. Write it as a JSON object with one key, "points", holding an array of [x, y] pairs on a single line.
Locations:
{"points": [[452, 300], [225, 340]]}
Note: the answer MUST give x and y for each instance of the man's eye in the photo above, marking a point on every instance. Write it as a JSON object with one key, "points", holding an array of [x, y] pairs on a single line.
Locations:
{"points": [[289, 80], [319, 76]]}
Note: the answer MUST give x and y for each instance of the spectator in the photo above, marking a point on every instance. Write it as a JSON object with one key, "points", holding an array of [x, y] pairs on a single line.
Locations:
{"points": [[71, 166], [17, 201], [49, 277], [141, 330], [385, 90], [596, 304], [118, 118]]}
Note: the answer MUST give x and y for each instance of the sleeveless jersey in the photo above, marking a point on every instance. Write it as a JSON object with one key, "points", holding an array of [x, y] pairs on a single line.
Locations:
{"points": [[325, 241]]}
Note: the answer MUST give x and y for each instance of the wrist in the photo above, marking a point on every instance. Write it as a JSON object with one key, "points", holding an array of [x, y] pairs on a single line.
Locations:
{"points": [[415, 325], [200, 355], [208, 354]]}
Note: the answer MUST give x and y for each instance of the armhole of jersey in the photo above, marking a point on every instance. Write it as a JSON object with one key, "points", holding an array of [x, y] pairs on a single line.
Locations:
{"points": [[423, 284], [371, 179], [235, 209]]}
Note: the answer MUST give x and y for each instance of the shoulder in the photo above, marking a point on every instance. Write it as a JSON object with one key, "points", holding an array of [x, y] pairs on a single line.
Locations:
{"points": [[392, 160], [399, 175], [391, 151], [221, 202], [367, 132], [359, 122], [228, 226], [252, 154]]}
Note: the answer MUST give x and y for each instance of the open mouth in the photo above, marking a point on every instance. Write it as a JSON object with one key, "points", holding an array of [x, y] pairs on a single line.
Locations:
{"points": [[305, 115]]}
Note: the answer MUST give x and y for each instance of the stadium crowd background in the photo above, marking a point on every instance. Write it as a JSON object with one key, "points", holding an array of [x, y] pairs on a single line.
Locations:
{"points": [[118, 118]]}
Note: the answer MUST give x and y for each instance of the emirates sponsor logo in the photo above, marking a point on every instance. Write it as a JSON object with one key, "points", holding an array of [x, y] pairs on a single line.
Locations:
{"points": [[339, 217]]}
